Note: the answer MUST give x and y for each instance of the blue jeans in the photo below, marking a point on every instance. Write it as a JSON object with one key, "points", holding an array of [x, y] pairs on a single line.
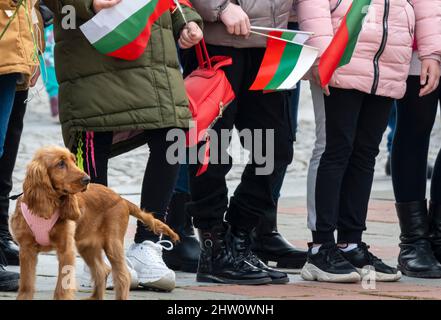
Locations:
{"points": [[7, 94], [392, 126]]}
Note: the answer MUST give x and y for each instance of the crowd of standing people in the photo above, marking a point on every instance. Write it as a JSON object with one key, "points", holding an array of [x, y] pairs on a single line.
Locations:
{"points": [[108, 107]]}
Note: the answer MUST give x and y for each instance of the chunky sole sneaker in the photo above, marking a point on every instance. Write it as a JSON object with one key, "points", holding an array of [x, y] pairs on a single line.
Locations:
{"points": [[166, 283], [368, 265], [209, 278], [147, 261], [312, 273]]}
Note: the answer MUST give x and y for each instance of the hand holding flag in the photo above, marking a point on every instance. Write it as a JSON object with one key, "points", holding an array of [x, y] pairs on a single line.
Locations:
{"points": [[99, 5], [191, 35]]}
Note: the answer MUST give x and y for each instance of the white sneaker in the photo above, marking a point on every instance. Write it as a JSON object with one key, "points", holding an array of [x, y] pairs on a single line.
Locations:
{"points": [[85, 278], [147, 261]]}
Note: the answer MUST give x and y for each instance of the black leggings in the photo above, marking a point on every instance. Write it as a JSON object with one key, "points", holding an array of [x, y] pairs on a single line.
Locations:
{"points": [[415, 119], [159, 177]]}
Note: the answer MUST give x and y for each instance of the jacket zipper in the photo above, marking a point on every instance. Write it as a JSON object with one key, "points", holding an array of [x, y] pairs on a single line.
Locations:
{"points": [[382, 47], [336, 6]]}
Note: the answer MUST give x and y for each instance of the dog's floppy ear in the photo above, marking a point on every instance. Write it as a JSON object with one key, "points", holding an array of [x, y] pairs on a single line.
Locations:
{"points": [[39, 194], [70, 208]]}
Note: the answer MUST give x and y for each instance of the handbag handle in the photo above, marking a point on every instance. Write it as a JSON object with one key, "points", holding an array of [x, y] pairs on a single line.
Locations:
{"points": [[202, 55]]}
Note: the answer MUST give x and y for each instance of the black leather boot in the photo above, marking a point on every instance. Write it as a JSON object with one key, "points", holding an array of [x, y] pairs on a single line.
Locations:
{"points": [[8, 246], [269, 245], [218, 264], [435, 229], [8, 280], [185, 254], [416, 258], [240, 243]]}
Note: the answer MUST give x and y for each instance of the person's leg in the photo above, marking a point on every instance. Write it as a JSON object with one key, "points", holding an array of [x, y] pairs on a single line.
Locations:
{"points": [[7, 164], [336, 129], [8, 83], [157, 188], [342, 109], [356, 189], [265, 118], [159, 181], [435, 204], [318, 100], [185, 255], [359, 175], [415, 119], [217, 262]]}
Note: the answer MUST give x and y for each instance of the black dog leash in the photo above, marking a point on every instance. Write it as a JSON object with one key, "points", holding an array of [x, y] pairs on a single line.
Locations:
{"points": [[15, 197]]}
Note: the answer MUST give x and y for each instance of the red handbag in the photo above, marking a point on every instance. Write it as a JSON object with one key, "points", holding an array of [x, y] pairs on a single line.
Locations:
{"points": [[209, 93]]}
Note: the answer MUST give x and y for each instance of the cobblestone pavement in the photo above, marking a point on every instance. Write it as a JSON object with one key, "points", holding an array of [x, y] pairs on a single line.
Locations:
{"points": [[125, 176]]}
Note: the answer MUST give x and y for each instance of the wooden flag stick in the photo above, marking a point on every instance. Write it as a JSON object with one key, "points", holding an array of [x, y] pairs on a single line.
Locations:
{"points": [[280, 39], [283, 30]]}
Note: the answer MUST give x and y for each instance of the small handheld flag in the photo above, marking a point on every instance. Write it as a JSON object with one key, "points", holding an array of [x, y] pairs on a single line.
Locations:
{"points": [[285, 62], [342, 46], [123, 31]]}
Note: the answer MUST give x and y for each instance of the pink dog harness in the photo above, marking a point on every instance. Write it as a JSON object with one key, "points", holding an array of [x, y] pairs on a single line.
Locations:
{"points": [[40, 227]]}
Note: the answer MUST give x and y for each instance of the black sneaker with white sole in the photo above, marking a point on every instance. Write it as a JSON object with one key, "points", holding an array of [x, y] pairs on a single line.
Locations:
{"points": [[328, 265], [369, 265]]}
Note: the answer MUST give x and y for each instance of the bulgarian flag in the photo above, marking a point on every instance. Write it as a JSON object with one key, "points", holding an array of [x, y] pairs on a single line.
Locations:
{"points": [[285, 62], [342, 46], [123, 31]]}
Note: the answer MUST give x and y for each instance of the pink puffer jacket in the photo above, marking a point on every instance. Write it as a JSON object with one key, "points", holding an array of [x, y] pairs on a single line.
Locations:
{"points": [[380, 63]]}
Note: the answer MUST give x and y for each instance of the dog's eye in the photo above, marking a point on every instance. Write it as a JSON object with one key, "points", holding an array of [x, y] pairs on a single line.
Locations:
{"points": [[61, 164]]}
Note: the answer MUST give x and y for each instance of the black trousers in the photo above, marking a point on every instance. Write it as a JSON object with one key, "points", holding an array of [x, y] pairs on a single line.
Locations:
{"points": [[159, 177], [355, 123], [253, 198], [7, 161], [415, 119]]}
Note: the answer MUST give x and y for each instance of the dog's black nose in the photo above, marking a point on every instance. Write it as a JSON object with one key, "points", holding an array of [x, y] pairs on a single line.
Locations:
{"points": [[85, 181]]}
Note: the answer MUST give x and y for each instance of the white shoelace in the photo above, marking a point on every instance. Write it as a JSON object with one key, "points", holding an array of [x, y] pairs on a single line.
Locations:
{"points": [[155, 249]]}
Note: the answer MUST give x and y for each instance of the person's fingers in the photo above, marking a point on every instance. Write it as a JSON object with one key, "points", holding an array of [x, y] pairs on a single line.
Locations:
{"points": [[109, 3], [326, 90], [237, 31], [184, 44], [243, 28], [248, 23], [230, 29], [185, 35], [423, 77]]}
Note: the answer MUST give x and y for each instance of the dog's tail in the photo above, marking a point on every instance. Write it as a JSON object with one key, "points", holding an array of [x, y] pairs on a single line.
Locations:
{"points": [[156, 226]]}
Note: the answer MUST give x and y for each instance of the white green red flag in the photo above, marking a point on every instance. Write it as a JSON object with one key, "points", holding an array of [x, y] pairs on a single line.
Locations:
{"points": [[123, 31], [285, 62], [342, 46]]}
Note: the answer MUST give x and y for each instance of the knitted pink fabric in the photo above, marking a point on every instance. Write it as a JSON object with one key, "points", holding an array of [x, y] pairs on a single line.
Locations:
{"points": [[40, 227]]}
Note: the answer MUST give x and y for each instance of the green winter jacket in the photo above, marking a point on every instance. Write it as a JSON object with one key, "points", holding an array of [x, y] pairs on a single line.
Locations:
{"points": [[101, 93]]}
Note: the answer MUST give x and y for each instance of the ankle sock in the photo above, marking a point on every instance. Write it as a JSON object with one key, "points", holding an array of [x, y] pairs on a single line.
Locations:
{"points": [[348, 247]]}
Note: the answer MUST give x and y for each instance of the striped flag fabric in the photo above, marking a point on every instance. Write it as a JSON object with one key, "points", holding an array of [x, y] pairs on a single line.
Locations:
{"points": [[123, 31], [285, 62], [342, 46]]}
